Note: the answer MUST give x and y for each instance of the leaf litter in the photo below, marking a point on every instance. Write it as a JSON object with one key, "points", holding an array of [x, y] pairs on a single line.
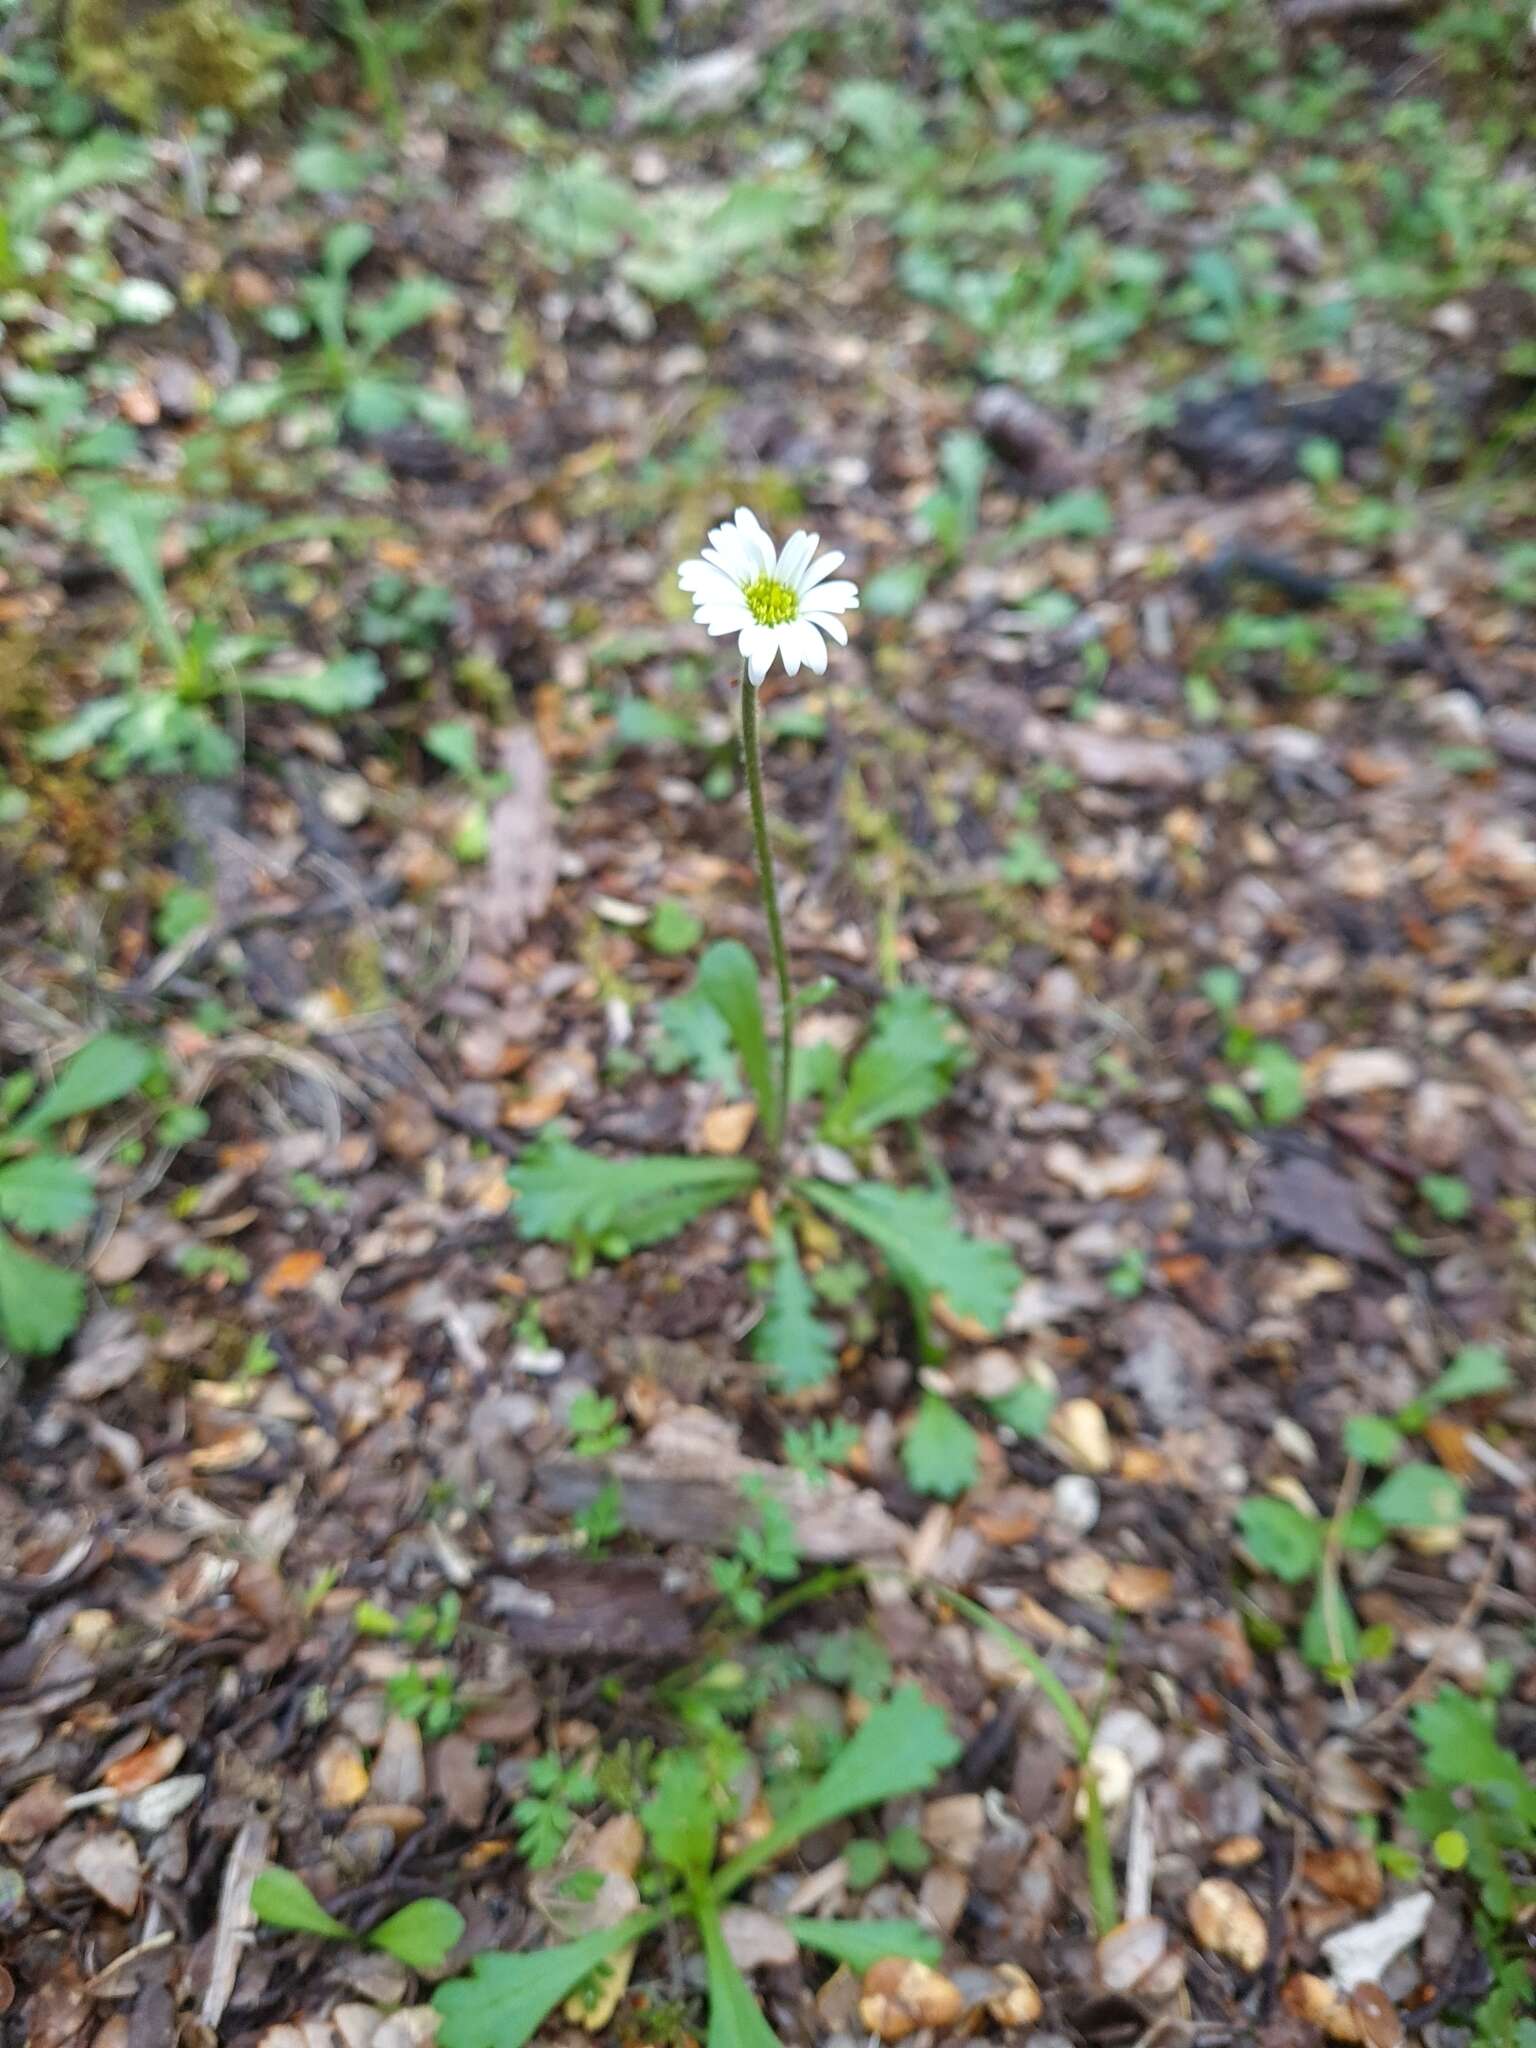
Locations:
{"points": [[1180, 1328]]}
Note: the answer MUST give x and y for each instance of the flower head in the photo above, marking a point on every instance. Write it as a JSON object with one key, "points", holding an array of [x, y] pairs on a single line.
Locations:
{"points": [[775, 603]]}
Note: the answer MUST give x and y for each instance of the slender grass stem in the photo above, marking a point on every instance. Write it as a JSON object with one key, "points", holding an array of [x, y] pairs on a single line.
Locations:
{"points": [[752, 755]]}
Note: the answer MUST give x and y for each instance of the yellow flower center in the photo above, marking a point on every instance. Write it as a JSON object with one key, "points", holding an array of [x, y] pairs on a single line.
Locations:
{"points": [[770, 603]]}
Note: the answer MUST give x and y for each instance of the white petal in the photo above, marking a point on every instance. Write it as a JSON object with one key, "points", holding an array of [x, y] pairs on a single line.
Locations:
{"points": [[703, 579], [819, 571], [722, 618], [759, 644], [827, 622], [794, 557], [790, 650], [832, 597], [754, 538], [729, 557], [813, 649]]}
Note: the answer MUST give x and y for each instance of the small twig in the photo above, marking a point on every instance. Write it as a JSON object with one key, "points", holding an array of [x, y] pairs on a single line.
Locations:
{"points": [[1471, 1608], [1331, 1587], [129, 1956]]}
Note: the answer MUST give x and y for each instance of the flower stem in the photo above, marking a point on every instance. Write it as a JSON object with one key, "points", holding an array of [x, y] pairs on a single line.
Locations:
{"points": [[751, 751]]}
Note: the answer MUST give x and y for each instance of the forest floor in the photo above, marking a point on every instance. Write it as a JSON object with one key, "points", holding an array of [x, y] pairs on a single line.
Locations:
{"points": [[368, 802]]}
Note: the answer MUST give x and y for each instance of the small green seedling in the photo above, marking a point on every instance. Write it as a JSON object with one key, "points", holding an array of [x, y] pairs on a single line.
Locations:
{"points": [[596, 1430], [166, 724], [1294, 1546], [766, 1550], [420, 1935], [1477, 1811], [545, 1815], [899, 1751], [820, 1447], [50, 431], [432, 1699], [46, 1192], [1268, 1073], [907, 1065], [351, 337]]}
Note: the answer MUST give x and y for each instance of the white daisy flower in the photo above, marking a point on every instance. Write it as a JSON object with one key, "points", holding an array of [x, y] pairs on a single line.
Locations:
{"points": [[775, 603]]}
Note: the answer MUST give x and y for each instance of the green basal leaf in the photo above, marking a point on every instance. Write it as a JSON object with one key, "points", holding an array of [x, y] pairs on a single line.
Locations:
{"points": [[673, 928], [347, 684], [928, 1255], [901, 1748], [104, 1071], [1027, 1410], [410, 303], [40, 1304], [505, 1999], [1448, 1195], [128, 526], [1283, 1541], [694, 1034], [281, 1899], [1281, 1082], [1476, 1369], [377, 405], [1372, 1439], [793, 1342], [907, 1065], [727, 978], [1418, 1496], [420, 1934], [45, 1194], [574, 1197], [860, 1943], [735, 2017], [941, 1453]]}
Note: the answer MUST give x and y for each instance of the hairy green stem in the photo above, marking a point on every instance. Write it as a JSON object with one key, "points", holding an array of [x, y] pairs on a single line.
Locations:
{"points": [[751, 750]]}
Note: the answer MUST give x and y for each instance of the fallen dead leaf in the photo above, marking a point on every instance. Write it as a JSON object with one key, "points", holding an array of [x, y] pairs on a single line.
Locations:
{"points": [[727, 1127], [36, 1812], [292, 1273], [1352, 1876], [1140, 1588], [146, 1766], [109, 1865]]}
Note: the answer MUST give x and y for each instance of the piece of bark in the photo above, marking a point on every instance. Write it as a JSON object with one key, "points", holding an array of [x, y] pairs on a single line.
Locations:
{"points": [[684, 1485], [583, 1607]]}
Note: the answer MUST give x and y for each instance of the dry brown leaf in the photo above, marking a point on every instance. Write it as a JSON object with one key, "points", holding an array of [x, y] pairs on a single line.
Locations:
{"points": [[109, 1865], [1352, 1876], [293, 1272], [1140, 1588], [727, 1127], [145, 1767]]}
